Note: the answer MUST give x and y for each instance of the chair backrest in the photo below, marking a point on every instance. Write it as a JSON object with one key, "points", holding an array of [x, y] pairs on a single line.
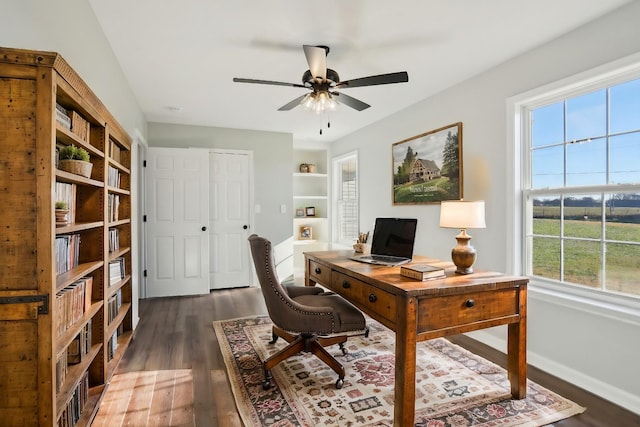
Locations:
{"points": [[284, 311]]}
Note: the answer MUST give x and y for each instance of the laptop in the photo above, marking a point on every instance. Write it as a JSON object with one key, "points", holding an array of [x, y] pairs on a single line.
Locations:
{"points": [[392, 243]]}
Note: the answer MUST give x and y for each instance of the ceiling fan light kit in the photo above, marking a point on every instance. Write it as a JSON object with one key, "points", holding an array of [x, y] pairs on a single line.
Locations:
{"points": [[324, 84]]}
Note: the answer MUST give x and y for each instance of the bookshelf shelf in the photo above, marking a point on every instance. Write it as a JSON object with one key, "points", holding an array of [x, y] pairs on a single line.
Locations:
{"points": [[63, 357]]}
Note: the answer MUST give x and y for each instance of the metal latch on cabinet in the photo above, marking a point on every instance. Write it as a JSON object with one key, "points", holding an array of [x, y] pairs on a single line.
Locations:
{"points": [[24, 299]]}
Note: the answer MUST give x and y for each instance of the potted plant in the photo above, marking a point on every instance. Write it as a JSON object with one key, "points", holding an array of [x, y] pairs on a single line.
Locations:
{"points": [[75, 160], [61, 213]]}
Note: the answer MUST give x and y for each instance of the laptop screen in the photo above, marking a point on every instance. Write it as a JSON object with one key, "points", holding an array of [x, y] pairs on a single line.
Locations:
{"points": [[394, 236]]}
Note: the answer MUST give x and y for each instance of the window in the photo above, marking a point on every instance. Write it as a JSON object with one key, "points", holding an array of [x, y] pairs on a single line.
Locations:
{"points": [[581, 188], [345, 179]]}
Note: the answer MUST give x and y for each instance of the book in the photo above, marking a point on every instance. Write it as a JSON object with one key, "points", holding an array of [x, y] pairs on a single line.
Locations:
{"points": [[421, 271]]}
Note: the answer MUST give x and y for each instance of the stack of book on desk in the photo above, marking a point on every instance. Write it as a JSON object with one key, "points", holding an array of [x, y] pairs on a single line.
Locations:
{"points": [[422, 271]]}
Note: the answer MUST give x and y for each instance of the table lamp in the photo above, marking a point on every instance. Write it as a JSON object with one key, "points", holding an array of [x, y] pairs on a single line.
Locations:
{"points": [[462, 214]]}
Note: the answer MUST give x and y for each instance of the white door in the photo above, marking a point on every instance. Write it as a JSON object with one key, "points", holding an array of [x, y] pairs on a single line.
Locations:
{"points": [[177, 218], [229, 218]]}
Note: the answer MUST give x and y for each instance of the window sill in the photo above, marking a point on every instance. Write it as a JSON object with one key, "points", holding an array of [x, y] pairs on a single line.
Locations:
{"points": [[617, 307]]}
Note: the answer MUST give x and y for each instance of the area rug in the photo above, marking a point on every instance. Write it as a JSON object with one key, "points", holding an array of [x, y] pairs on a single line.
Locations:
{"points": [[453, 386]]}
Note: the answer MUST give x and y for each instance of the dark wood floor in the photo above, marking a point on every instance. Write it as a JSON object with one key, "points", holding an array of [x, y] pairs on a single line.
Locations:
{"points": [[177, 333]]}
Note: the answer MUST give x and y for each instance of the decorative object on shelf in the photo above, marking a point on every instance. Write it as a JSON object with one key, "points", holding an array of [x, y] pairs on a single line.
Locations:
{"points": [[310, 211], [304, 167], [61, 212], [462, 214], [75, 160], [300, 212], [305, 233], [427, 168]]}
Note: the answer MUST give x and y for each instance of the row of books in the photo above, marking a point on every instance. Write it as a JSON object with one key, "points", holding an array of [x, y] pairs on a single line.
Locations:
{"points": [[66, 192], [73, 121], [113, 179], [73, 354], [113, 204], [113, 306], [117, 270], [71, 304], [73, 411], [112, 344], [62, 116], [114, 239], [114, 149], [67, 248]]}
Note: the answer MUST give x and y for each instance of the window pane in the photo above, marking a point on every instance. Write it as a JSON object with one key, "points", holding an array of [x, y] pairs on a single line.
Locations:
{"points": [[546, 216], [623, 217], [547, 125], [624, 155], [586, 116], [623, 264], [547, 165], [583, 216], [587, 163], [624, 101], [582, 261], [546, 257]]}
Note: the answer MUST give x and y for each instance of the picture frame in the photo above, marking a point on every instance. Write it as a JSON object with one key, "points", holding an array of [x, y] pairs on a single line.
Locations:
{"points": [[427, 168], [299, 212], [310, 211], [305, 233]]}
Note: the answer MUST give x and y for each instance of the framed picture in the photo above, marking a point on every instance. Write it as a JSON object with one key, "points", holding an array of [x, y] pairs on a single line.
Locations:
{"points": [[427, 168], [305, 233], [310, 211], [299, 212]]}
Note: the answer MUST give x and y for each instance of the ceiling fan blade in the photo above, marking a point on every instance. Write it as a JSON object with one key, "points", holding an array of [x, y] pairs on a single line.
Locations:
{"points": [[292, 104], [350, 101], [317, 60], [381, 79], [266, 82]]}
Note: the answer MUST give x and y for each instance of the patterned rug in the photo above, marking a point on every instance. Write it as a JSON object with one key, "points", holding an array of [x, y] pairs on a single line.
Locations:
{"points": [[453, 386]]}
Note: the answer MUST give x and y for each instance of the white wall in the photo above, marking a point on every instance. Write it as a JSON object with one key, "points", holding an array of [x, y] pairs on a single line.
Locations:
{"points": [[70, 28], [592, 348], [273, 160]]}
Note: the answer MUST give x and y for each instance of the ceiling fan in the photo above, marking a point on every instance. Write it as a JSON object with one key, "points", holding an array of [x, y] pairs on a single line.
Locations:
{"points": [[324, 84]]}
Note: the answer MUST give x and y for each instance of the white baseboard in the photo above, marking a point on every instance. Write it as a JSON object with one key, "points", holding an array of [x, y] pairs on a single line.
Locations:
{"points": [[597, 387]]}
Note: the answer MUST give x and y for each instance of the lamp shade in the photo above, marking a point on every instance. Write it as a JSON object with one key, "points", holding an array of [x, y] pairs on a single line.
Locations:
{"points": [[462, 214]]}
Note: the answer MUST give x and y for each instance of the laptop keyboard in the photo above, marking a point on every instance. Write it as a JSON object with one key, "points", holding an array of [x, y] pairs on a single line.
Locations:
{"points": [[385, 258]]}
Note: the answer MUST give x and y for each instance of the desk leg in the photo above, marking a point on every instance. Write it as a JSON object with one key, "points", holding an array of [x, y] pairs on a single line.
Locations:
{"points": [[517, 350], [405, 388]]}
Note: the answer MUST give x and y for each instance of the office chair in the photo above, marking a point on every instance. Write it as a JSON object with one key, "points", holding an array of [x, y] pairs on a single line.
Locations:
{"points": [[308, 318]]}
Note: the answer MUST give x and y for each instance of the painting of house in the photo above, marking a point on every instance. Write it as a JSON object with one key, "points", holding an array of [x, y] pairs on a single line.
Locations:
{"points": [[424, 169]]}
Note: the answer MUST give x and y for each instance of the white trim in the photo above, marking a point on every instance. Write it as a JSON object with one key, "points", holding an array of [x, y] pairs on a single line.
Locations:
{"points": [[335, 191]]}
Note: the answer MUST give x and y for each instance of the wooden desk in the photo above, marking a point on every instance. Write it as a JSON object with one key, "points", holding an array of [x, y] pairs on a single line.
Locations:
{"points": [[423, 310]]}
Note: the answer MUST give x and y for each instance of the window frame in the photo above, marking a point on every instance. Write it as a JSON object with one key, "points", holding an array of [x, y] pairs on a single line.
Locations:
{"points": [[336, 176], [518, 188]]}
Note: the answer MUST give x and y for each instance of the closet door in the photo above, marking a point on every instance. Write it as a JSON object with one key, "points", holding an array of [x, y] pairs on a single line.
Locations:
{"points": [[177, 221]]}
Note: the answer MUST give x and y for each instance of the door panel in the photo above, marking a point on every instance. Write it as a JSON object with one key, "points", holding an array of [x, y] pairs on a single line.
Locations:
{"points": [[178, 212], [229, 191]]}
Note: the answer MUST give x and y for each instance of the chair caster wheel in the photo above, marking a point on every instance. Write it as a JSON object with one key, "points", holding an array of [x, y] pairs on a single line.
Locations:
{"points": [[266, 385], [339, 383]]}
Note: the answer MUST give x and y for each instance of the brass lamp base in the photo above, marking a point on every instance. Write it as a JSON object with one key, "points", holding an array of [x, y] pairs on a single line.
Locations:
{"points": [[463, 255]]}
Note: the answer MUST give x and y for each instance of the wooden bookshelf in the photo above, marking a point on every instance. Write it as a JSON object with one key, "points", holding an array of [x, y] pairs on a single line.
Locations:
{"points": [[45, 105]]}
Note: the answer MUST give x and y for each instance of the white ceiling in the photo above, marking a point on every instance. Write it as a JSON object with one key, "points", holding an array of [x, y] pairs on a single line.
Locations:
{"points": [[180, 56]]}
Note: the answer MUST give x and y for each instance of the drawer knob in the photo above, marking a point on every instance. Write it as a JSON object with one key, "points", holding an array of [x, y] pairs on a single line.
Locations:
{"points": [[470, 303], [346, 284], [373, 298], [317, 270]]}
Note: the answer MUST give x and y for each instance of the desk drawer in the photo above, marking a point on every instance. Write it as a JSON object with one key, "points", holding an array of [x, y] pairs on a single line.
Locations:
{"points": [[457, 310], [364, 295], [319, 273]]}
